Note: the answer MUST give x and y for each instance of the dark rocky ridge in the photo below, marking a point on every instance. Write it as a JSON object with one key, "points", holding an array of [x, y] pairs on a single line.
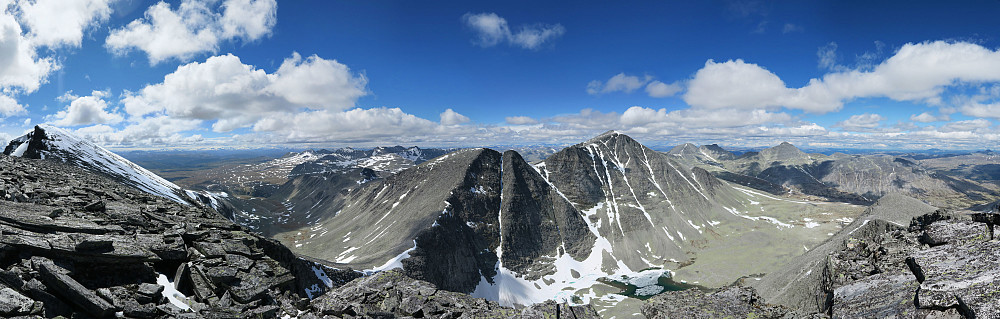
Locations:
{"points": [[80, 243], [49, 142], [733, 301]]}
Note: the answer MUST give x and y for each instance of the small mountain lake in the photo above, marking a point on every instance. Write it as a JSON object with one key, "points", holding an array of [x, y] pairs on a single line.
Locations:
{"points": [[646, 283]]}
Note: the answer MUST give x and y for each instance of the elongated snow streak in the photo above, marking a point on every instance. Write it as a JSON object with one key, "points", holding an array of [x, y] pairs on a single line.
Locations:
{"points": [[611, 189], [706, 155], [753, 193], [625, 177], [170, 291], [395, 262], [688, 181]]}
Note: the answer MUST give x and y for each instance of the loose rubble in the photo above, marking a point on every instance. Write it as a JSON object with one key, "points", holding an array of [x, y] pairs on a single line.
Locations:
{"points": [[733, 301]]}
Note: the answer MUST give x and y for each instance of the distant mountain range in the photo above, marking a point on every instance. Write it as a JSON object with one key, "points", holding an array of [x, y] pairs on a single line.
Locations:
{"points": [[859, 179]]}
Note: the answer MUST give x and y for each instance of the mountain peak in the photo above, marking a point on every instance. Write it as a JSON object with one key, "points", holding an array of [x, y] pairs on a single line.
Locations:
{"points": [[684, 149], [605, 136], [612, 136], [50, 142], [784, 152]]}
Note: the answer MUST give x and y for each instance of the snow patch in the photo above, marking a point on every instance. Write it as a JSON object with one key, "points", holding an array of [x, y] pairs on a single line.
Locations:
{"points": [[395, 262], [170, 292]]}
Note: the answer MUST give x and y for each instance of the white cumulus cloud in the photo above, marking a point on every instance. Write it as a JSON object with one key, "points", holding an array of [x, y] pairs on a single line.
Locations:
{"points": [[21, 70], [520, 120], [621, 82], [450, 117], [86, 110], [194, 27], [491, 29], [926, 117], [917, 72], [55, 23], [355, 124], [10, 107], [235, 95], [660, 89]]}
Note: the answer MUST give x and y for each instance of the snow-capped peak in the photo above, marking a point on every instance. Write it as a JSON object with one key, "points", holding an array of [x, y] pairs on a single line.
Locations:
{"points": [[51, 142]]}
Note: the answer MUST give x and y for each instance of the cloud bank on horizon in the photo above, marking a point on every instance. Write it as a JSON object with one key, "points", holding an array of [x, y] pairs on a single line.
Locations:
{"points": [[195, 88]]}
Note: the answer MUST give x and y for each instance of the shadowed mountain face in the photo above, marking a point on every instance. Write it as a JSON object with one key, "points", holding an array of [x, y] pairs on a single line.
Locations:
{"points": [[441, 222], [449, 204], [859, 179], [536, 220]]}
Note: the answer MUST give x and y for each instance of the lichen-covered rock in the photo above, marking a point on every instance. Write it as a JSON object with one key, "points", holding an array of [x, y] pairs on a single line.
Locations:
{"points": [[728, 302], [13, 303], [878, 296], [964, 275]]}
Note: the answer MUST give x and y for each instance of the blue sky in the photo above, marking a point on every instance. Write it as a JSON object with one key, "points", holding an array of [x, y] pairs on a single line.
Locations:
{"points": [[261, 73]]}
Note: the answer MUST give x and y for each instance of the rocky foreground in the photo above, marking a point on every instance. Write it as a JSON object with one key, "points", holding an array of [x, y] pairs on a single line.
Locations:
{"points": [[79, 245], [939, 266]]}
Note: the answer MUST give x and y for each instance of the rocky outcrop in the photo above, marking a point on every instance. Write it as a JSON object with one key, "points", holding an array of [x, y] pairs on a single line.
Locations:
{"points": [[53, 143], [391, 294], [728, 302], [805, 283], [72, 242], [942, 265]]}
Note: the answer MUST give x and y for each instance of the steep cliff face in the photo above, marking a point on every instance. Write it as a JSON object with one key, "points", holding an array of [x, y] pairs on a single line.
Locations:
{"points": [[537, 221]]}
